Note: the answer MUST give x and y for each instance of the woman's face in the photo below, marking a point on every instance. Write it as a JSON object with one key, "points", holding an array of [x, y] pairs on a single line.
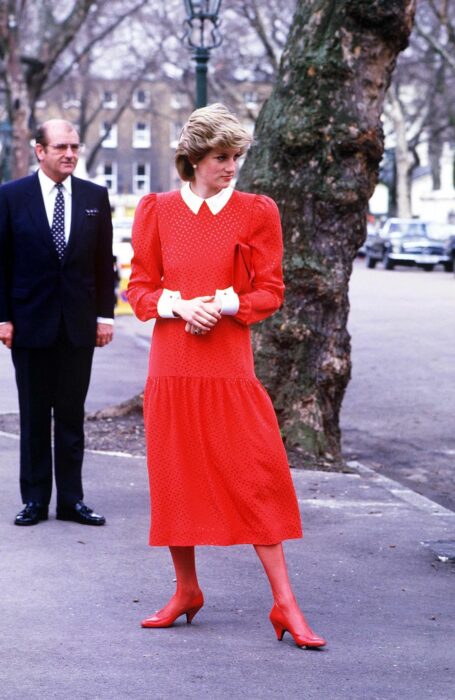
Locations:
{"points": [[215, 171]]}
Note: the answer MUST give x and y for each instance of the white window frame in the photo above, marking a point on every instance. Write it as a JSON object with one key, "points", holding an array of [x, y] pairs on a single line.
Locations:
{"points": [[112, 178], [141, 137], [111, 140], [175, 132], [141, 183], [112, 103], [70, 102], [138, 104]]}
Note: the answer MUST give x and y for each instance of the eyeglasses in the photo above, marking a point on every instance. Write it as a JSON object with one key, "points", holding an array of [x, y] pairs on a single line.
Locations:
{"points": [[63, 147]]}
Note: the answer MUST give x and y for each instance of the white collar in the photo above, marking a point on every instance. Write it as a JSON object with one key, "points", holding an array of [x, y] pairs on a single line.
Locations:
{"points": [[215, 203], [47, 184]]}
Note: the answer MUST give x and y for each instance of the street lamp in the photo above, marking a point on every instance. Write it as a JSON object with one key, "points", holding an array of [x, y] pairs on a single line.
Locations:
{"points": [[202, 35]]}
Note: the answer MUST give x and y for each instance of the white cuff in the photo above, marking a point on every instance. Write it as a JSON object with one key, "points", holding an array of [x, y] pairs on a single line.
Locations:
{"points": [[108, 321], [228, 301], [166, 302]]}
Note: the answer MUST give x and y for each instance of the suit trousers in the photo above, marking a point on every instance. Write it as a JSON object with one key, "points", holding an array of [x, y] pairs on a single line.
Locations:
{"points": [[52, 381]]}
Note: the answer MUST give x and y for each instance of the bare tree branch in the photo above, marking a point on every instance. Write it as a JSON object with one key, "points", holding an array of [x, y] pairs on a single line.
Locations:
{"points": [[437, 46], [90, 44]]}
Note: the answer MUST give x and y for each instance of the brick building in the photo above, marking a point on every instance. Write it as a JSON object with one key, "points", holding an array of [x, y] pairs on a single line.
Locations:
{"points": [[130, 132]]}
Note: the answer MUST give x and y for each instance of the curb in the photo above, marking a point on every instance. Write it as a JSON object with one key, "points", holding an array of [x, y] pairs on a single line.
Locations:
{"points": [[402, 492]]}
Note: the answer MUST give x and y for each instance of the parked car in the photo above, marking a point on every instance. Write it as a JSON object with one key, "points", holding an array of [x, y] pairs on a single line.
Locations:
{"points": [[407, 242], [450, 243], [371, 233]]}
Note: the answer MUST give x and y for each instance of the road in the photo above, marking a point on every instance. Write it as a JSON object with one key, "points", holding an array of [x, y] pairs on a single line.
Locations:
{"points": [[398, 415]]}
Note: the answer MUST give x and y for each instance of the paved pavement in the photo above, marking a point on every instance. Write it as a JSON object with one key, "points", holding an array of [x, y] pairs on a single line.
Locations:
{"points": [[72, 596]]}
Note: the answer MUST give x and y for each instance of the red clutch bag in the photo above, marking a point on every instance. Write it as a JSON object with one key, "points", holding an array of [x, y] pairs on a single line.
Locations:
{"points": [[243, 273]]}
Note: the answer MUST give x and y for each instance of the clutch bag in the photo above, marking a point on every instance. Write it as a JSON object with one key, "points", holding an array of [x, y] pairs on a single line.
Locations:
{"points": [[243, 273]]}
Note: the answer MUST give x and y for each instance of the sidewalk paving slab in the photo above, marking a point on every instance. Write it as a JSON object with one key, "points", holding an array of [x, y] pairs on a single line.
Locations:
{"points": [[73, 597]]}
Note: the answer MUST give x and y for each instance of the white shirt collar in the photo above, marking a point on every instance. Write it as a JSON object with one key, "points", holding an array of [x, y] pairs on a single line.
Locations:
{"points": [[47, 184], [215, 203]]}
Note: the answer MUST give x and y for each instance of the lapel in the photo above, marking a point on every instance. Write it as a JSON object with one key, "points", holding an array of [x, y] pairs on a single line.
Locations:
{"points": [[37, 211], [77, 214]]}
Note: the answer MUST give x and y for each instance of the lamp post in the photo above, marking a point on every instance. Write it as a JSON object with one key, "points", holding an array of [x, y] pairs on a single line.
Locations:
{"points": [[202, 35]]}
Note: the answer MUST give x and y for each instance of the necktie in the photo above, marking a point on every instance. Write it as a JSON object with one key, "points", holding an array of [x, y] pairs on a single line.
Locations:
{"points": [[58, 222]]}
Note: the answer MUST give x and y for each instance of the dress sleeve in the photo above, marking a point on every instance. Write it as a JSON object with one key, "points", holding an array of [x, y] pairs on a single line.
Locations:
{"points": [[145, 286], [266, 246]]}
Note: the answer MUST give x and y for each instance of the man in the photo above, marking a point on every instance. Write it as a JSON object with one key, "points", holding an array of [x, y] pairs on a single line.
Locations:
{"points": [[56, 304]]}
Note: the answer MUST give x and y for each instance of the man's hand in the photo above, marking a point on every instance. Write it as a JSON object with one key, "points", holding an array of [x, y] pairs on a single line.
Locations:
{"points": [[6, 334], [104, 334]]}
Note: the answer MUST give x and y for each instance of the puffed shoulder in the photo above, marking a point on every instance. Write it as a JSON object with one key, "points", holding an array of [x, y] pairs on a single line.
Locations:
{"points": [[261, 205], [147, 204], [145, 213], [265, 206]]}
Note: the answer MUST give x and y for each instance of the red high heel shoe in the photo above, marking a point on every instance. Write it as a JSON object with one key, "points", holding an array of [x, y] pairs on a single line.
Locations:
{"points": [[190, 611], [282, 625]]}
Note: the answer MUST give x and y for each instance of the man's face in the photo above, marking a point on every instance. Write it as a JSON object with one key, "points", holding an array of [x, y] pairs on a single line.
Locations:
{"points": [[60, 155]]}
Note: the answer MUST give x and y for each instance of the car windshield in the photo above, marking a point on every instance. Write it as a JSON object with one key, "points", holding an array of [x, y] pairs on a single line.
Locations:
{"points": [[405, 230]]}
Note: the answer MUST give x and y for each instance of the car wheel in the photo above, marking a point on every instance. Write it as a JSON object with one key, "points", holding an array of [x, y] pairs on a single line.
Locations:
{"points": [[370, 262], [448, 266], [428, 268], [387, 262]]}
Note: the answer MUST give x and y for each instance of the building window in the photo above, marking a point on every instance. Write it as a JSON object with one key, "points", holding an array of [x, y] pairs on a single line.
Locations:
{"points": [[110, 136], [69, 101], [175, 133], [140, 99], [250, 97], [110, 177], [141, 135], [141, 178], [109, 99]]}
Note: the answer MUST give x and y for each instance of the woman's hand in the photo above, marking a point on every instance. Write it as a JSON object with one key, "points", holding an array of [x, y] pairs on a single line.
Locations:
{"points": [[201, 313], [193, 330]]}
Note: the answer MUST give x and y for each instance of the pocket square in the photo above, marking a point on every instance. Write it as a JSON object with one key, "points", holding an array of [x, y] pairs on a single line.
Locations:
{"points": [[92, 212]]}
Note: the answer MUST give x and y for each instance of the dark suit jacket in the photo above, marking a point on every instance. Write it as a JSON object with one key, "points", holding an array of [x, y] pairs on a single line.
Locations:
{"points": [[37, 290]]}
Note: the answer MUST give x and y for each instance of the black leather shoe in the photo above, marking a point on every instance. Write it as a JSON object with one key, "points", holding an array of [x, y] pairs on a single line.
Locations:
{"points": [[80, 513], [31, 514]]}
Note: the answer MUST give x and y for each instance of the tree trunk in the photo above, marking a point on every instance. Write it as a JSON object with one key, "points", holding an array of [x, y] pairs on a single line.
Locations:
{"points": [[403, 158], [435, 146], [18, 100], [318, 144]]}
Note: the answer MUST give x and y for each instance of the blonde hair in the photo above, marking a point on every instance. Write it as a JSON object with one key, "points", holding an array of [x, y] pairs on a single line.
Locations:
{"points": [[208, 128]]}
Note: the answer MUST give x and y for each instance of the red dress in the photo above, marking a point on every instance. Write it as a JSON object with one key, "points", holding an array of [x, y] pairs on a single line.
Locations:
{"points": [[217, 466]]}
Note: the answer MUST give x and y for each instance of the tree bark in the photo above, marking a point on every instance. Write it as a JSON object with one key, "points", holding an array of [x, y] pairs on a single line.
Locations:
{"points": [[318, 144], [403, 157], [16, 89]]}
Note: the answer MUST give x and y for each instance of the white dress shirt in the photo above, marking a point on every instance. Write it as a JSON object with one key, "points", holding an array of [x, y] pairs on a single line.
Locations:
{"points": [[227, 299], [49, 192]]}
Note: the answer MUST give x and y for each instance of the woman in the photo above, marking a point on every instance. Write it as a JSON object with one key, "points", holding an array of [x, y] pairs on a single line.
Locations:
{"points": [[218, 470]]}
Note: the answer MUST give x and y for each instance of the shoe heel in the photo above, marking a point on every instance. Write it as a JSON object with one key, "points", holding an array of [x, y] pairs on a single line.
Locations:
{"points": [[191, 613], [279, 631]]}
